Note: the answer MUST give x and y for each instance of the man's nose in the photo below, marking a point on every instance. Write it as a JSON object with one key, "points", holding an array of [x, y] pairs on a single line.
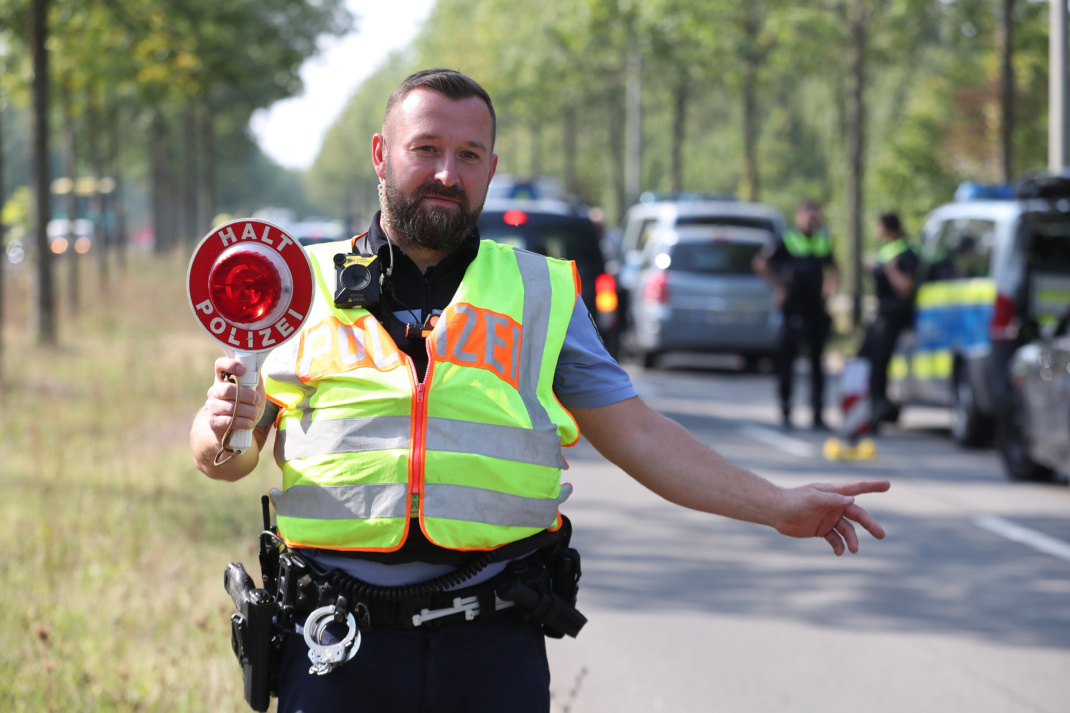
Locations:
{"points": [[446, 171]]}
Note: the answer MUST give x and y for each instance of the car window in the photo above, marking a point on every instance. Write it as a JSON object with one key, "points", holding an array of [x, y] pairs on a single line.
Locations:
{"points": [[1049, 243], [739, 221], [646, 228], [561, 236], [962, 249], [713, 258]]}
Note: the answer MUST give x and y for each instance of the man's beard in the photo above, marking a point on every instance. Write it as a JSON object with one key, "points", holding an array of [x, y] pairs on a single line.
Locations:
{"points": [[433, 227]]}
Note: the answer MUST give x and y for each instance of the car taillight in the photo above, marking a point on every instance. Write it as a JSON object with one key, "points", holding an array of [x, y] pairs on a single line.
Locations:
{"points": [[605, 290], [1004, 326], [515, 218], [656, 289]]}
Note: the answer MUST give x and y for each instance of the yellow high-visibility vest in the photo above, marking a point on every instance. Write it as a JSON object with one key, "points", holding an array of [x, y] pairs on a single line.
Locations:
{"points": [[473, 451]]}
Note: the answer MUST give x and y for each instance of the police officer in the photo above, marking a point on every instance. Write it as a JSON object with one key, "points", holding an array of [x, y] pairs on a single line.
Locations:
{"points": [[802, 271], [893, 274], [409, 445]]}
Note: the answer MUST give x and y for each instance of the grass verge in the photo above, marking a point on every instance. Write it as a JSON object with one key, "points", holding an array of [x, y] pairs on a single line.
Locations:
{"points": [[112, 596]]}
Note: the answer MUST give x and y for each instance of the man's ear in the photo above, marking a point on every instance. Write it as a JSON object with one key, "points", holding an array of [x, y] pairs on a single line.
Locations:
{"points": [[379, 155]]}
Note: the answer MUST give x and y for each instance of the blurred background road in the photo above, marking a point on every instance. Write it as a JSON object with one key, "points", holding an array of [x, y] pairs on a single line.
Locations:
{"points": [[965, 606]]}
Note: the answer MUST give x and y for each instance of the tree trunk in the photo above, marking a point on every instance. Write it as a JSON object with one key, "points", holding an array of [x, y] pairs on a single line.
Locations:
{"points": [[615, 127], [46, 305], [118, 229], [71, 199], [191, 232], [1006, 42], [3, 249], [96, 209], [752, 25], [855, 115], [160, 160], [206, 186], [568, 125], [536, 148], [681, 97], [633, 160]]}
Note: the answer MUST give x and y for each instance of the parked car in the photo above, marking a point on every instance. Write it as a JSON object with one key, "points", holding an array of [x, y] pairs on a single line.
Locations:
{"points": [[317, 230], [59, 235], [992, 274], [695, 292], [1034, 437], [669, 211], [561, 230]]}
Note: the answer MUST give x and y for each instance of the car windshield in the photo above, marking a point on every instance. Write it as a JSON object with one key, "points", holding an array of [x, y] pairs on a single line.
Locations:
{"points": [[714, 257], [560, 236]]}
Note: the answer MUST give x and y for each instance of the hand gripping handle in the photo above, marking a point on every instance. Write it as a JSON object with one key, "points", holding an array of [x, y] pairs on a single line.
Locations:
{"points": [[238, 441]]}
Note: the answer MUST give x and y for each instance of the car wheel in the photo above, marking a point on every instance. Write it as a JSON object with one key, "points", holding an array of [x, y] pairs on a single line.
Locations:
{"points": [[1014, 444], [969, 427], [649, 360]]}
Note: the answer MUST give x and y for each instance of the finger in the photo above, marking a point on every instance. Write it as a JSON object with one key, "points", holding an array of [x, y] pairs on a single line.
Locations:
{"points": [[858, 487], [863, 518], [228, 365], [834, 539], [847, 530]]}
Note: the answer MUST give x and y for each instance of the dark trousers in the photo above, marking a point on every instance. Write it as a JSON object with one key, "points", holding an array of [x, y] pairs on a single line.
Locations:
{"points": [[798, 330], [878, 346], [464, 667]]}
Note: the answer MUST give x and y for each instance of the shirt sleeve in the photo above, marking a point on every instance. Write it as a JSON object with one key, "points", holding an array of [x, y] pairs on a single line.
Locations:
{"points": [[587, 376]]}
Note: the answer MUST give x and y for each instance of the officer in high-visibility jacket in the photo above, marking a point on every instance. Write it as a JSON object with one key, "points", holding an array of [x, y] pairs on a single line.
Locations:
{"points": [[802, 271], [424, 432], [893, 273]]}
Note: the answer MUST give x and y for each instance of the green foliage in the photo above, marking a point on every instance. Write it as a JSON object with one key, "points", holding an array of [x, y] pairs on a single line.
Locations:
{"points": [[556, 74]]}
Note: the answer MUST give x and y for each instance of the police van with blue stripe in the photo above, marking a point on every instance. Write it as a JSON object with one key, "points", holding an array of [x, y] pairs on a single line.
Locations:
{"points": [[995, 270]]}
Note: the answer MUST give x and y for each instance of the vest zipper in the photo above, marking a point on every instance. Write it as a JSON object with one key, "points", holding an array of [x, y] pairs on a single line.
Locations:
{"points": [[419, 433]]}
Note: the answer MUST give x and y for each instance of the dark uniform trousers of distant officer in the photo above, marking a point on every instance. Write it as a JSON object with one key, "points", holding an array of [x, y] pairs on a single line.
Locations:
{"points": [[800, 261], [894, 312]]}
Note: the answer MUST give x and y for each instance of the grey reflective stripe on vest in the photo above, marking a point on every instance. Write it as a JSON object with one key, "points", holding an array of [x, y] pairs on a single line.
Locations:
{"points": [[342, 502], [461, 502], [342, 435], [350, 435], [521, 445], [538, 297]]}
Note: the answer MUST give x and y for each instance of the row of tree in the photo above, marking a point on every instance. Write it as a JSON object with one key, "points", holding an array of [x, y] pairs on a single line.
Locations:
{"points": [[161, 90], [862, 105], [859, 104]]}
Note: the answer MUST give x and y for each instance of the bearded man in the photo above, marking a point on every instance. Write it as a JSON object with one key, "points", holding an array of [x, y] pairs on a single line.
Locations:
{"points": [[420, 439]]}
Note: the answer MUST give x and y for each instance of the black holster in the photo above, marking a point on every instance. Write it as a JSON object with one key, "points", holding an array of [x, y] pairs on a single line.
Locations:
{"points": [[252, 635], [543, 588]]}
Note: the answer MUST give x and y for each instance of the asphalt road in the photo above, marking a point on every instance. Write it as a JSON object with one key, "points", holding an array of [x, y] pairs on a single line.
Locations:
{"points": [[964, 607]]}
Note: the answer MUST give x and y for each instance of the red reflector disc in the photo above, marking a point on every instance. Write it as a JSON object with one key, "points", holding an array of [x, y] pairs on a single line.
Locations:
{"points": [[244, 286], [515, 217]]}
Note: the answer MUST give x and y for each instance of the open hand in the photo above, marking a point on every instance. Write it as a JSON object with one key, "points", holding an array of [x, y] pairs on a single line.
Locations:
{"points": [[826, 510]]}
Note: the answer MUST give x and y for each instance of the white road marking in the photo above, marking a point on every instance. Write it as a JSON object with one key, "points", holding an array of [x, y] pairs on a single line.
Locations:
{"points": [[791, 446], [1024, 535]]}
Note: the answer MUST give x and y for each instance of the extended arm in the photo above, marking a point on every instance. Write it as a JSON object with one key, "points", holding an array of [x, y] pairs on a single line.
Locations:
{"points": [[213, 419], [664, 457]]}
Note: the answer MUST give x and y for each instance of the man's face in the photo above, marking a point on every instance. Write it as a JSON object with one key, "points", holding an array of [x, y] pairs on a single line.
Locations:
{"points": [[436, 162], [807, 219]]}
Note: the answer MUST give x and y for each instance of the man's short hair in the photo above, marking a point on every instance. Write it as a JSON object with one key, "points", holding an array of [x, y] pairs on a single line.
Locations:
{"points": [[449, 83], [891, 222]]}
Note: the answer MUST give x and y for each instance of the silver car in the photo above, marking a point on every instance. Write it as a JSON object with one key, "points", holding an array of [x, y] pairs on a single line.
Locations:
{"points": [[1034, 436], [696, 292]]}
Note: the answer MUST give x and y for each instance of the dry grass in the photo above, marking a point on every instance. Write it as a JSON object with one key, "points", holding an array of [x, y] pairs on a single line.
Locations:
{"points": [[111, 596]]}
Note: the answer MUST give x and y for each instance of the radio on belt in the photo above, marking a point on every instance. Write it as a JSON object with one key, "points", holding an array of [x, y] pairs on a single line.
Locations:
{"points": [[250, 285]]}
